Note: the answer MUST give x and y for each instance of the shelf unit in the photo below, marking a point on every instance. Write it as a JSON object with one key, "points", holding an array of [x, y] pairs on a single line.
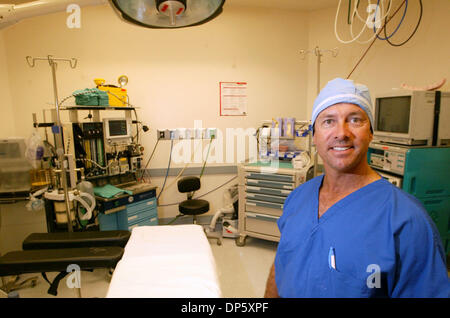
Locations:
{"points": [[73, 113]]}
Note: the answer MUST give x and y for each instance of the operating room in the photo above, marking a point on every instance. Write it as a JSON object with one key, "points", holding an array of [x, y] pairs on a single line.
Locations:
{"points": [[201, 104]]}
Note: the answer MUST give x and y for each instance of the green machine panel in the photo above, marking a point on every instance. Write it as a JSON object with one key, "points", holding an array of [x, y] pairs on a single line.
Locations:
{"points": [[424, 172]]}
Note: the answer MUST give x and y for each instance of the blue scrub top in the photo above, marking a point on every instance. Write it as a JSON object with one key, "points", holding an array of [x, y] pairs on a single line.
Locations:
{"points": [[377, 242]]}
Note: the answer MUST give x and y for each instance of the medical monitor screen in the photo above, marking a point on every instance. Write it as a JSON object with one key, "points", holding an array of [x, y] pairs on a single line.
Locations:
{"points": [[393, 114], [118, 128]]}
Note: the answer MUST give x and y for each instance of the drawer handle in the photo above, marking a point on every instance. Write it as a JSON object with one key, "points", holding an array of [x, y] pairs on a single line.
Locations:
{"points": [[262, 217], [271, 205], [132, 217], [120, 208]]}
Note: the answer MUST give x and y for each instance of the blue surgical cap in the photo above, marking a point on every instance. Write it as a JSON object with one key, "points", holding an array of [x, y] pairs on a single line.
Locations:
{"points": [[340, 90]]}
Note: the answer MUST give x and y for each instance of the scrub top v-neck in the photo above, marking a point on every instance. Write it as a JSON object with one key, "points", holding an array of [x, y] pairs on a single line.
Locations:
{"points": [[339, 205], [352, 250]]}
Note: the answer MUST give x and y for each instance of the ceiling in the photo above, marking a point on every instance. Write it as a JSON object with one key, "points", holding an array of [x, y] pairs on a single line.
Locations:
{"points": [[13, 1], [306, 5]]}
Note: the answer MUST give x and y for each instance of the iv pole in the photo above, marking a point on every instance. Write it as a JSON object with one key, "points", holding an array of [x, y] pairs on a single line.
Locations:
{"points": [[58, 128], [319, 53]]}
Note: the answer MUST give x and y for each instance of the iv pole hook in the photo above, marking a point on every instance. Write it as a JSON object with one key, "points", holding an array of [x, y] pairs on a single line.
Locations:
{"points": [[59, 140]]}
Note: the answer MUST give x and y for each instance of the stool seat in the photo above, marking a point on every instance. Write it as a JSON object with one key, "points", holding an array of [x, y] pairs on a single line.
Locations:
{"points": [[193, 207]]}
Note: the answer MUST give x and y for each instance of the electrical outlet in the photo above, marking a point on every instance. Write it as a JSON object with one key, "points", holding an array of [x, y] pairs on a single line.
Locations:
{"points": [[182, 133], [211, 133], [186, 133], [163, 134], [173, 134]]}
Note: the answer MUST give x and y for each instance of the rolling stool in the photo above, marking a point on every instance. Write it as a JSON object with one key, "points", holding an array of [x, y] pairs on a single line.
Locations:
{"points": [[191, 206]]}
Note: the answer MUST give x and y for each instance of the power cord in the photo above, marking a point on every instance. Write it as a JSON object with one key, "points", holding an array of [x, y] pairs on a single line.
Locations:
{"points": [[167, 172], [148, 161]]}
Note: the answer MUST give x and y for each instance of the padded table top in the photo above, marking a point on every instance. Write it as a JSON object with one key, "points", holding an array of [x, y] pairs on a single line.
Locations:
{"points": [[37, 241], [57, 260]]}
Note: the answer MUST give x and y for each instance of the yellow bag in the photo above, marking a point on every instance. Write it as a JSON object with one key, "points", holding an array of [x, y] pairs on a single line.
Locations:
{"points": [[117, 95]]}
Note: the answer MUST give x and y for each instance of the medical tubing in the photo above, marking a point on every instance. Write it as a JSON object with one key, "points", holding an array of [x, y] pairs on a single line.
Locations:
{"points": [[412, 34], [148, 161], [206, 159], [355, 12], [335, 28], [228, 209], [398, 26], [201, 196], [167, 172], [204, 162], [373, 41], [348, 13], [381, 19], [89, 208], [38, 192], [137, 125], [216, 216], [184, 168]]}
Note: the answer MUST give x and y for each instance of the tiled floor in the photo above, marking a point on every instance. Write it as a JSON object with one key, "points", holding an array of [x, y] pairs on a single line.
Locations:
{"points": [[242, 273]]}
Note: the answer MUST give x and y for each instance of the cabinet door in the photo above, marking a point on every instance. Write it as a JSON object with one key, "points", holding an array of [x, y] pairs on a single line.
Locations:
{"points": [[427, 183], [439, 211], [261, 223]]}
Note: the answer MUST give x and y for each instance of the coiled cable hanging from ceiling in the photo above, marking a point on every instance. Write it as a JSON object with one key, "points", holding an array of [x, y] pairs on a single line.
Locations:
{"points": [[375, 20], [373, 41], [412, 34], [351, 17], [398, 26], [335, 28]]}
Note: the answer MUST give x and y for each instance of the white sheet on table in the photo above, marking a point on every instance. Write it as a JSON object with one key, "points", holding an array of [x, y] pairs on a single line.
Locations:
{"points": [[166, 261]]}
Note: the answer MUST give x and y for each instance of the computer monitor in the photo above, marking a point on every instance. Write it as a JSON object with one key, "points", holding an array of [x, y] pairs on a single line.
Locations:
{"points": [[117, 130], [412, 118]]}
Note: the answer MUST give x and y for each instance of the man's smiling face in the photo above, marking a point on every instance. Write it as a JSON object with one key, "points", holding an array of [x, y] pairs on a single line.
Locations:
{"points": [[342, 135]]}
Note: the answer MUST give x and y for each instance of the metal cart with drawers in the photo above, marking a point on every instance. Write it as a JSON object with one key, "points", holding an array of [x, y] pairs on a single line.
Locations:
{"points": [[262, 192]]}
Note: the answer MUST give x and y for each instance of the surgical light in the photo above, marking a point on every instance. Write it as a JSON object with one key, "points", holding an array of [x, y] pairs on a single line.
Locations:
{"points": [[168, 14]]}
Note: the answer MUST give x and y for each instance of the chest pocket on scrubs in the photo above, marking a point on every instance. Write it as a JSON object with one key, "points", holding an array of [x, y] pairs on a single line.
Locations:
{"points": [[345, 285]]}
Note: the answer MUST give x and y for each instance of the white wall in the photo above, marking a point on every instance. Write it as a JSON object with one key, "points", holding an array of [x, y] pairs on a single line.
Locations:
{"points": [[7, 124], [173, 75]]}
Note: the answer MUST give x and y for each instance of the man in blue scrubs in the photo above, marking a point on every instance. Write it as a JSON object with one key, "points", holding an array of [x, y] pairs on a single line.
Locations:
{"points": [[349, 232]]}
